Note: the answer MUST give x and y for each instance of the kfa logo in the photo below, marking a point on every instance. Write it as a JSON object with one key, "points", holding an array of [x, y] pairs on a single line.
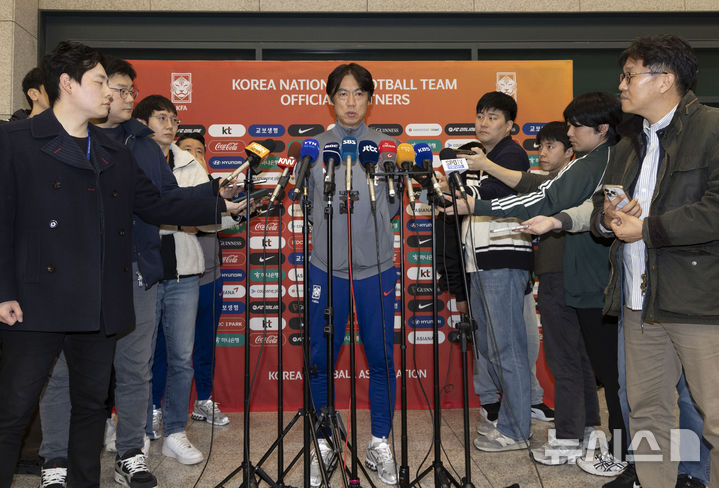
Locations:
{"points": [[507, 83], [181, 87], [316, 292]]}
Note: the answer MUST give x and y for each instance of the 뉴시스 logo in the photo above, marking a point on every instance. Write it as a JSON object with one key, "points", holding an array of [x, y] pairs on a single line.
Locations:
{"points": [[305, 130], [507, 83], [181, 87], [227, 130]]}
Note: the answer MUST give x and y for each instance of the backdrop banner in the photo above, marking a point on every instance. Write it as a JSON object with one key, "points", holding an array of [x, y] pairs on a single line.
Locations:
{"points": [[235, 102]]}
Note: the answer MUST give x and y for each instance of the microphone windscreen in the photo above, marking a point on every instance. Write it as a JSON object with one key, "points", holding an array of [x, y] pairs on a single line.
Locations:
{"points": [[447, 153], [368, 153], [423, 155], [349, 148], [331, 153], [405, 153], [311, 149]]}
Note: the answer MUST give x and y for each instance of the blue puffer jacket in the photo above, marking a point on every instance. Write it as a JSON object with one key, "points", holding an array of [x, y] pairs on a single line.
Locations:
{"points": [[146, 237]]}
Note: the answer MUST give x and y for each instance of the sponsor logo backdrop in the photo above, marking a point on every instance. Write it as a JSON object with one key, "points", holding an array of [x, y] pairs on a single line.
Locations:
{"points": [[235, 102]]}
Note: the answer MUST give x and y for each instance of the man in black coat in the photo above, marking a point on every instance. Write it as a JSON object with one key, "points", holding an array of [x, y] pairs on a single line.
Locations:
{"points": [[67, 195]]}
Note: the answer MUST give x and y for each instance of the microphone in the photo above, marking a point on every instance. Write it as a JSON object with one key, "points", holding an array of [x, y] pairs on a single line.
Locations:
{"points": [[405, 156], [331, 158], [309, 152], [288, 164], [453, 167], [423, 158], [256, 152], [349, 155], [388, 155], [368, 158]]}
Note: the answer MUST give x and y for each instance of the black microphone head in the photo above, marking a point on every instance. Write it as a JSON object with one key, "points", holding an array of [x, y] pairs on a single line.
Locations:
{"points": [[471, 144], [331, 153], [447, 153], [368, 153]]}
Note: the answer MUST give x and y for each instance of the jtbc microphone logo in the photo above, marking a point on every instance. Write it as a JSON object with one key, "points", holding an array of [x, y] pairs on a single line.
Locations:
{"points": [[226, 146], [370, 148]]}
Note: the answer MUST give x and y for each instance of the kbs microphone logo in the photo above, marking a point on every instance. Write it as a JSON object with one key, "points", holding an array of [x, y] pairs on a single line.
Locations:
{"points": [[459, 129], [226, 146], [434, 144], [268, 130], [227, 130], [423, 130], [181, 87], [388, 129], [305, 130], [507, 83]]}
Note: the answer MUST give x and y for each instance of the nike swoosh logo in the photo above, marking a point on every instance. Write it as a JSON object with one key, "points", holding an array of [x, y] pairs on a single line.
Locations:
{"points": [[388, 292], [425, 240], [302, 131], [422, 307], [262, 260]]}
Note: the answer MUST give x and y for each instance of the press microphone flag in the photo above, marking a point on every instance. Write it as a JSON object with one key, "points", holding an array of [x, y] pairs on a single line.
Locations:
{"points": [[331, 159], [405, 157], [424, 158]]}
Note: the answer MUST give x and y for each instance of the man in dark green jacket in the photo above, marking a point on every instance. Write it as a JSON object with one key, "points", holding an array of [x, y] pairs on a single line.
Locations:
{"points": [[665, 263]]}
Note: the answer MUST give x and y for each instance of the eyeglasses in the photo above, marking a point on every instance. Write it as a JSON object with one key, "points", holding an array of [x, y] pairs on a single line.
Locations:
{"points": [[164, 118], [126, 92], [629, 76]]}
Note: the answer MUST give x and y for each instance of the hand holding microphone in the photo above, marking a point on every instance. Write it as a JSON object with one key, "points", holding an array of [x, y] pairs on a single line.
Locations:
{"points": [[453, 167], [424, 159], [256, 152]]}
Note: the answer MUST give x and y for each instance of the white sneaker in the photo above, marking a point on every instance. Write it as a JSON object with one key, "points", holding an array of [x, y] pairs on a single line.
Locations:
{"points": [[603, 464], [557, 451], [379, 458], [110, 434], [495, 441], [146, 446], [156, 421], [54, 474], [485, 426], [178, 446], [327, 458], [203, 410]]}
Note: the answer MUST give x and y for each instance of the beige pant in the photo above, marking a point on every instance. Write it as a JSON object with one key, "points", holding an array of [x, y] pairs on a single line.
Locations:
{"points": [[655, 356]]}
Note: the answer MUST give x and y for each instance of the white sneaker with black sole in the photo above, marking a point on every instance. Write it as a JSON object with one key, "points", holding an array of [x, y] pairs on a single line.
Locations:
{"points": [[558, 451], [208, 411], [178, 446], [542, 412], [495, 441], [131, 471], [53, 474], [485, 426]]}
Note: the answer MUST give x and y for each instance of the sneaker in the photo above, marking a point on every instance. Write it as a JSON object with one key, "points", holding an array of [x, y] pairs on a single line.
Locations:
{"points": [[628, 479], [542, 412], [178, 446], [602, 464], [110, 434], [595, 439], [557, 451], [687, 481], [204, 411], [379, 458], [495, 441], [146, 445], [487, 419], [53, 474], [131, 471], [327, 458], [156, 421]]}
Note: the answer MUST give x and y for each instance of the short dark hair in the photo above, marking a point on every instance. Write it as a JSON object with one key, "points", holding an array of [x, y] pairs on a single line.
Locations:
{"points": [[358, 72], [152, 103], [33, 79], [117, 66], [191, 135], [594, 109], [71, 57], [554, 131], [498, 101], [665, 52]]}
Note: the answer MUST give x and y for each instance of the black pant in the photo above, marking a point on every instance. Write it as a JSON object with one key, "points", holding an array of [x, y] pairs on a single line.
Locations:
{"points": [[575, 389], [25, 365]]}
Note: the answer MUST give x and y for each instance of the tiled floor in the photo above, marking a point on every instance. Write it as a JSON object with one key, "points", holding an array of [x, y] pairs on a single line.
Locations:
{"points": [[488, 469]]}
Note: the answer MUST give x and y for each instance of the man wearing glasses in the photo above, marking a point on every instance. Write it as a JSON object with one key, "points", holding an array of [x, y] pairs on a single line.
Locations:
{"points": [[134, 349], [666, 261]]}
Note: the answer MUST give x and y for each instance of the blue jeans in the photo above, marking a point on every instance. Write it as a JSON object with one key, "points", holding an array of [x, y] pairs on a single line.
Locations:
{"points": [[176, 312], [382, 378], [504, 344], [483, 385], [205, 329], [689, 417]]}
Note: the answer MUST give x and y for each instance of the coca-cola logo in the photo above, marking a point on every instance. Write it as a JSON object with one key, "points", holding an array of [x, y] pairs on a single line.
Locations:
{"points": [[268, 339], [226, 146], [272, 226], [231, 257]]}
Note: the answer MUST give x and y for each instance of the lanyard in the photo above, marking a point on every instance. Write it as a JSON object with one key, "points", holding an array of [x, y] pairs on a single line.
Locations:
{"points": [[87, 155]]}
